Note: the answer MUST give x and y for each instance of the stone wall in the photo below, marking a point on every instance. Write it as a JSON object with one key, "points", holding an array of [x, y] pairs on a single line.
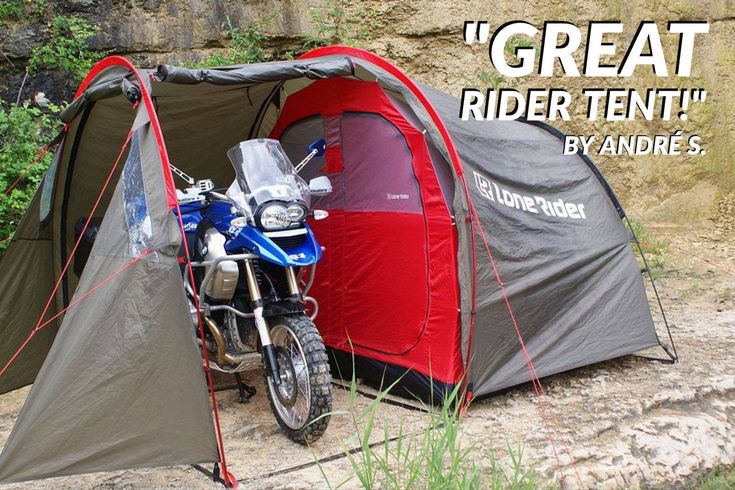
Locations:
{"points": [[424, 38]]}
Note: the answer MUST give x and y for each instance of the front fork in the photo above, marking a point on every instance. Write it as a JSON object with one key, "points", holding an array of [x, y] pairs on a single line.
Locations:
{"points": [[262, 326]]}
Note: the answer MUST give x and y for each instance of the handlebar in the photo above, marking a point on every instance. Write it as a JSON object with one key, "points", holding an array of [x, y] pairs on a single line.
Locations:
{"points": [[218, 196]]}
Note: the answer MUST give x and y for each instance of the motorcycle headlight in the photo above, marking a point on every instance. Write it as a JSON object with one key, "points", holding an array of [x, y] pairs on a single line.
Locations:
{"points": [[274, 217], [296, 213]]}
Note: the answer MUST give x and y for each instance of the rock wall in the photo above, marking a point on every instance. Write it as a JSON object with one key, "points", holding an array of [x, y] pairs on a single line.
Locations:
{"points": [[424, 38]]}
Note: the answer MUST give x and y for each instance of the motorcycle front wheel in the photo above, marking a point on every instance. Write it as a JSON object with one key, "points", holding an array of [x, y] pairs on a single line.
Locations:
{"points": [[303, 399]]}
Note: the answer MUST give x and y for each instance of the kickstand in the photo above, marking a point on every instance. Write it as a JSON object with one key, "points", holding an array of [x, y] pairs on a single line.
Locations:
{"points": [[246, 391]]}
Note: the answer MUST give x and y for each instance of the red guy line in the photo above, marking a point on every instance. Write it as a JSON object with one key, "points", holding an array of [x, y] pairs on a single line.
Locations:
{"points": [[23, 173], [71, 305]]}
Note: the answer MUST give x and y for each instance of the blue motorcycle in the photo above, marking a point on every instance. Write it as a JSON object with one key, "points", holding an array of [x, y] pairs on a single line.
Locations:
{"points": [[254, 258]]}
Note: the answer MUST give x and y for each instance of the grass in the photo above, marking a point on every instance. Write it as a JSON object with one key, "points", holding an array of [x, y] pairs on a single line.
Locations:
{"points": [[691, 291], [436, 456], [718, 480]]}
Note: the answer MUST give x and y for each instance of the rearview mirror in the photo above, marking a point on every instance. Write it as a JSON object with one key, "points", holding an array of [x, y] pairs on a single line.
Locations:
{"points": [[320, 186], [319, 146]]}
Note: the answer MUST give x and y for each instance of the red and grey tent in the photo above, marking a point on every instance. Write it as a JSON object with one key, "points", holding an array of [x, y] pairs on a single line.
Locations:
{"points": [[456, 252]]}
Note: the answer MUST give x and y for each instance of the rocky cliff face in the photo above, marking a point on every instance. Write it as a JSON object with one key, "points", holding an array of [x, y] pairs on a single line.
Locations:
{"points": [[148, 32], [424, 38]]}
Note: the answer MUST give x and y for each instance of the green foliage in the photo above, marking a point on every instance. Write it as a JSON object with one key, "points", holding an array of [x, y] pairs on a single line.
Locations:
{"points": [[342, 22], [15, 9], [435, 457], [246, 46], [718, 480], [492, 79], [654, 248], [516, 42], [11, 8], [24, 130], [68, 48]]}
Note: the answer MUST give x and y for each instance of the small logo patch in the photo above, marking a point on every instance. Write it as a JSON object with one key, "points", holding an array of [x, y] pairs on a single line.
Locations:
{"points": [[397, 197]]}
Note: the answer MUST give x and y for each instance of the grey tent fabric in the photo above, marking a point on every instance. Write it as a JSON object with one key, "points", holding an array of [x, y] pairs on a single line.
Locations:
{"points": [[123, 385], [258, 73], [28, 269], [222, 120], [92, 149], [572, 279]]}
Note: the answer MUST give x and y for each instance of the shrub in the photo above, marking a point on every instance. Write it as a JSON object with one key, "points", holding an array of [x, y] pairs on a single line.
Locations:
{"points": [[68, 49], [342, 22], [11, 9], [245, 46], [24, 130], [16, 9]]}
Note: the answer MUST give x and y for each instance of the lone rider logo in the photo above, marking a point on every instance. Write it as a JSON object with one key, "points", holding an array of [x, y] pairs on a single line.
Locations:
{"points": [[396, 197], [530, 204]]}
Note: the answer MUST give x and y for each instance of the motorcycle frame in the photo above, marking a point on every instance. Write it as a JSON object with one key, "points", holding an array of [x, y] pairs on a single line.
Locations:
{"points": [[255, 297]]}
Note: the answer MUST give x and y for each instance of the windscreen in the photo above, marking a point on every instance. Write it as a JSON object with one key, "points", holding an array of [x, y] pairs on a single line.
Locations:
{"points": [[264, 173]]}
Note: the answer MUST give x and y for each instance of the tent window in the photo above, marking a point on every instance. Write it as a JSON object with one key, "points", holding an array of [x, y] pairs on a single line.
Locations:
{"points": [[136, 205], [47, 190]]}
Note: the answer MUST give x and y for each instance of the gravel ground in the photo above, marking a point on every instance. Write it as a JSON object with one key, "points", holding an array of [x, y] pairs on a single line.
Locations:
{"points": [[629, 422]]}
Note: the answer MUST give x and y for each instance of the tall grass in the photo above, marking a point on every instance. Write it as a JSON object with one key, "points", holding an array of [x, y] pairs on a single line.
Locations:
{"points": [[435, 457]]}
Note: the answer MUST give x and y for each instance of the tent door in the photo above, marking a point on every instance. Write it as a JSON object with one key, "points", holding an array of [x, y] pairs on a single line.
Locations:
{"points": [[372, 284]]}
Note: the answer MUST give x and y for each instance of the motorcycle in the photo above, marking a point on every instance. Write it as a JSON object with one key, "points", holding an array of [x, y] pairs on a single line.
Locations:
{"points": [[253, 260]]}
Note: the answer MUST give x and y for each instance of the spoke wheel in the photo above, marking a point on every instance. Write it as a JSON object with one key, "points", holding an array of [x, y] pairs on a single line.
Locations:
{"points": [[304, 393]]}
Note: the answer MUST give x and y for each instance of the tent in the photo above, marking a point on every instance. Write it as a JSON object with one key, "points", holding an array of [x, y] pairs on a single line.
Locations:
{"points": [[456, 253]]}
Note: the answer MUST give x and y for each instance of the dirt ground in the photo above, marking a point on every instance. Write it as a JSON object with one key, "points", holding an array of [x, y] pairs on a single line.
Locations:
{"points": [[629, 422]]}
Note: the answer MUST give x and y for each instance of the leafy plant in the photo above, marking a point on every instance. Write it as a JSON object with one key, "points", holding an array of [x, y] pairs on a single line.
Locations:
{"points": [[246, 46], [517, 42], [15, 9], [492, 79], [68, 49], [723, 479], [11, 8], [24, 130]]}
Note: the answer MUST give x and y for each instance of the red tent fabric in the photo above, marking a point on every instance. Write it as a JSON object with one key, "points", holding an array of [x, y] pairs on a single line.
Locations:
{"points": [[402, 235]]}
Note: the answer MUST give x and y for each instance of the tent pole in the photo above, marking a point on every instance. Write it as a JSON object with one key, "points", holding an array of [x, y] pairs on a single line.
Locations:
{"points": [[228, 479], [673, 356]]}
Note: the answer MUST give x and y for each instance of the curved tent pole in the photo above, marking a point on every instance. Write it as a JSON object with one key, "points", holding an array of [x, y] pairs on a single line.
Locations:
{"points": [[673, 356], [112, 61], [454, 157], [228, 478], [473, 221]]}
